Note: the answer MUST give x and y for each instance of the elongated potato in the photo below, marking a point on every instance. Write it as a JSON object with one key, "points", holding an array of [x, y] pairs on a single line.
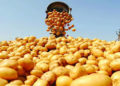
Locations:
{"points": [[8, 73], [40, 82], [93, 80], [16, 82]]}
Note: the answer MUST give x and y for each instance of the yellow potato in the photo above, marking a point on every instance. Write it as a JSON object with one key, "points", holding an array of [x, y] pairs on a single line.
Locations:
{"points": [[69, 67], [42, 66], [63, 81], [104, 62], [103, 72], [40, 82], [30, 80], [59, 71], [8, 73], [93, 80], [115, 64], [89, 69], [37, 73], [97, 52], [77, 71], [49, 77], [15, 83], [26, 63], [116, 78], [63, 50], [3, 55], [107, 69], [9, 63], [84, 45], [91, 62], [71, 59], [116, 47], [82, 60], [14, 57]]}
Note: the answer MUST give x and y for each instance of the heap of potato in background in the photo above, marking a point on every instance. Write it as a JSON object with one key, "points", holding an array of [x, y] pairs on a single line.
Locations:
{"points": [[51, 61], [58, 22]]}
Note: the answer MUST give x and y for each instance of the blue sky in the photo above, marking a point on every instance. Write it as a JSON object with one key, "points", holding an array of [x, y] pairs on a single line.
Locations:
{"points": [[92, 18]]}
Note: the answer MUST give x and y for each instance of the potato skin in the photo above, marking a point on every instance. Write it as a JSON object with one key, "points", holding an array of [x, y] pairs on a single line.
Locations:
{"points": [[93, 80]]}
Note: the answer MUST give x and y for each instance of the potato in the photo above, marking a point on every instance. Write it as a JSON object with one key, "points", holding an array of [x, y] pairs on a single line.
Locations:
{"points": [[89, 69], [53, 65], [63, 81], [40, 82], [115, 64], [42, 66], [103, 72], [116, 78], [91, 62], [93, 80], [8, 73], [82, 60], [84, 45], [116, 47], [9, 63], [107, 69], [3, 55], [25, 85], [37, 73], [91, 57], [97, 52], [69, 67], [26, 63], [15, 83], [15, 57], [77, 71], [71, 59], [30, 80], [60, 71], [49, 77], [77, 54], [3, 82], [63, 50], [104, 62]]}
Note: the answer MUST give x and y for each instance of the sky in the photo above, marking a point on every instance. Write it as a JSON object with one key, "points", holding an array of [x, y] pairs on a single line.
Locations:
{"points": [[92, 18]]}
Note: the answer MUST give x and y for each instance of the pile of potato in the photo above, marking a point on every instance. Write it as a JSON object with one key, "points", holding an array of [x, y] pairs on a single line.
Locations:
{"points": [[58, 22], [51, 61]]}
